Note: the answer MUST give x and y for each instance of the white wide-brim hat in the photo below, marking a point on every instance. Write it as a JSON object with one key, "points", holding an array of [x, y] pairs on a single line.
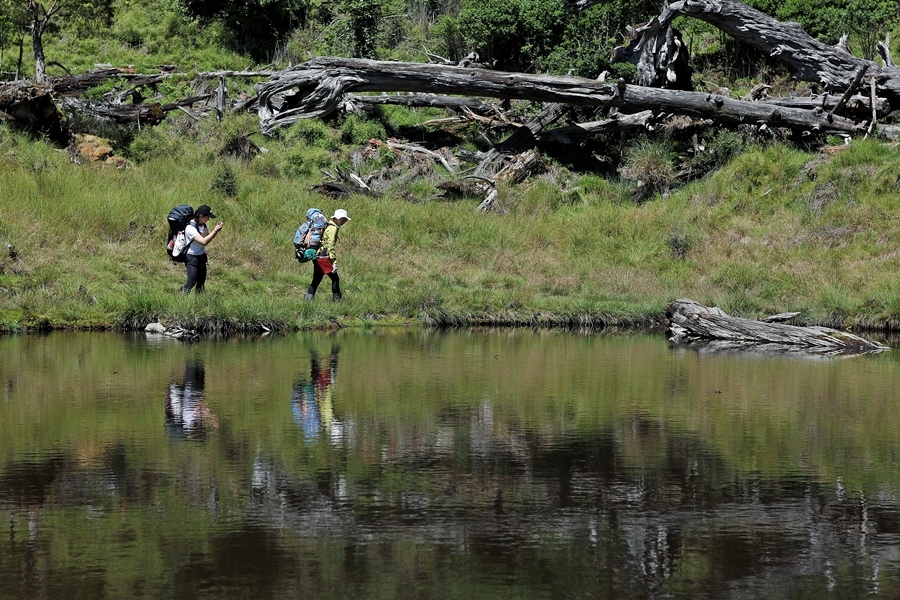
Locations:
{"points": [[341, 214]]}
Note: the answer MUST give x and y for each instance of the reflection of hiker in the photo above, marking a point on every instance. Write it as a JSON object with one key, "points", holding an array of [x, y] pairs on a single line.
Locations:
{"points": [[187, 415], [198, 236], [324, 264], [311, 402]]}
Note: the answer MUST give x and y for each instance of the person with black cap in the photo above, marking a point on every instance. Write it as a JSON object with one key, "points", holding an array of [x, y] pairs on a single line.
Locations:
{"points": [[198, 236]]}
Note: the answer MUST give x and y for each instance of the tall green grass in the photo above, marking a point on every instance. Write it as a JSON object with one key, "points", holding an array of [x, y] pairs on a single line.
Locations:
{"points": [[752, 238]]}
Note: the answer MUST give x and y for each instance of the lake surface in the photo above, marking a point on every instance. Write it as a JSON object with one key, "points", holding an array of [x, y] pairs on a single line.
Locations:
{"points": [[421, 464]]}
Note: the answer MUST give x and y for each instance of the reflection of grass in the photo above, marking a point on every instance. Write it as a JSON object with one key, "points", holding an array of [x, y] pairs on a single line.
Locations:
{"points": [[766, 417]]}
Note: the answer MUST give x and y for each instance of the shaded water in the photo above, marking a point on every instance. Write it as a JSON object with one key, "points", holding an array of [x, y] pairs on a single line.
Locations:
{"points": [[443, 465]]}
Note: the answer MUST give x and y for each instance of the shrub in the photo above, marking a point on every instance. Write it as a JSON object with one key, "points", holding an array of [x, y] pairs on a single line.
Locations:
{"points": [[311, 132], [358, 131], [650, 164], [299, 161], [719, 150], [679, 244], [225, 181]]}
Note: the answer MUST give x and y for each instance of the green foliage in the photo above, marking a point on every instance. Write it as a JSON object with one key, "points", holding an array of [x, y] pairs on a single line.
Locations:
{"points": [[299, 161], [167, 139], [589, 36], [448, 38], [723, 146], [225, 180], [13, 29], [357, 131], [866, 21], [363, 17], [649, 163], [251, 26], [311, 132], [512, 36]]}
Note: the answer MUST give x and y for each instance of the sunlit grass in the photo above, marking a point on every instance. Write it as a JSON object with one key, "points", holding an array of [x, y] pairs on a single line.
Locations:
{"points": [[754, 238]]}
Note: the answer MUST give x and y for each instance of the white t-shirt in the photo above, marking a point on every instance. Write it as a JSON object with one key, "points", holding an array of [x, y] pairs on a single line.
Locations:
{"points": [[190, 232]]}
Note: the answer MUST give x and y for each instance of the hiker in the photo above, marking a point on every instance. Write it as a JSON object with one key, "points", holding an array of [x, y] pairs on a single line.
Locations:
{"points": [[198, 236], [324, 263]]}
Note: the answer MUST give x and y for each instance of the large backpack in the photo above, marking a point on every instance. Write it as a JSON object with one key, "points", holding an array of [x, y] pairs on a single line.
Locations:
{"points": [[309, 235], [176, 245]]}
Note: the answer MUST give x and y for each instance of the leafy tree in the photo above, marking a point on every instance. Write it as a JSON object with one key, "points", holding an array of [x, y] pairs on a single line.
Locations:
{"points": [[13, 28], [252, 26], [44, 16], [363, 17], [589, 36], [540, 35], [512, 35], [868, 20]]}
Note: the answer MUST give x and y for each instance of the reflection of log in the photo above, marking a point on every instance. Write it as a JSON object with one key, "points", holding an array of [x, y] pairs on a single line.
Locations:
{"points": [[316, 88], [689, 321]]}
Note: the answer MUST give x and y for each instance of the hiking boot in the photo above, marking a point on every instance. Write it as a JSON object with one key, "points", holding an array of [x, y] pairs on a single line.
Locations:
{"points": [[336, 297], [309, 297]]}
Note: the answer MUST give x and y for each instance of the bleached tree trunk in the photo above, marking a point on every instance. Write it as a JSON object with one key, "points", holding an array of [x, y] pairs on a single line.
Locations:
{"points": [[316, 88]]}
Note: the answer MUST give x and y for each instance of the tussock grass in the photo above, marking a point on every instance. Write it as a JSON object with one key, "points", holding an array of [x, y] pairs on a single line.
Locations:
{"points": [[773, 230]]}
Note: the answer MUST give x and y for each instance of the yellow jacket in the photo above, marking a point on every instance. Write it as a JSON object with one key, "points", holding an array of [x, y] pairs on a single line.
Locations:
{"points": [[329, 240]]}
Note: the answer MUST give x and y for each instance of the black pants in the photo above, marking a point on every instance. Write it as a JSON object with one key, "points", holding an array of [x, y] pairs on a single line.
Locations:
{"points": [[196, 273], [318, 274]]}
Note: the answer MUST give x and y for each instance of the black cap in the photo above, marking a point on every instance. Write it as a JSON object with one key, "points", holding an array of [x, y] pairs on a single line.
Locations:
{"points": [[205, 210]]}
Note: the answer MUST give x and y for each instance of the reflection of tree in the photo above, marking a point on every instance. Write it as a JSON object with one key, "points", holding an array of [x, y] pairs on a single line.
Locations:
{"points": [[311, 399], [187, 414]]}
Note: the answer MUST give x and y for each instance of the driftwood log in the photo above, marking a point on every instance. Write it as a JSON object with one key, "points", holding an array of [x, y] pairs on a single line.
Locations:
{"points": [[691, 322]]}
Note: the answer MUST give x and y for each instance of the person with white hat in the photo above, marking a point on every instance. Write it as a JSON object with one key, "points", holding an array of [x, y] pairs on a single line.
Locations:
{"points": [[324, 263]]}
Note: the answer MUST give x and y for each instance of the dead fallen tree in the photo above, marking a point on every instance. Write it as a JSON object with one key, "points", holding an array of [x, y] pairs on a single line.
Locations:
{"points": [[317, 88], [691, 322]]}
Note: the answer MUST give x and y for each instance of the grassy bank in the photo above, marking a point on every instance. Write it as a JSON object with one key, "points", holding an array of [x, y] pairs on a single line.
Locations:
{"points": [[775, 230]]}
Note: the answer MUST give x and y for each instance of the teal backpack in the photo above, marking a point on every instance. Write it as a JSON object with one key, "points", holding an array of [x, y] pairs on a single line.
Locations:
{"points": [[308, 236]]}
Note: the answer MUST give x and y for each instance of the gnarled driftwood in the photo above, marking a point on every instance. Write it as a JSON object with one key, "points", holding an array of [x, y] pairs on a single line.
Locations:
{"points": [[690, 321]]}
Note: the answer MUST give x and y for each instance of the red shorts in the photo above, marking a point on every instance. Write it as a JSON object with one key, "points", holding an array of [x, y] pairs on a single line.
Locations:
{"points": [[325, 264]]}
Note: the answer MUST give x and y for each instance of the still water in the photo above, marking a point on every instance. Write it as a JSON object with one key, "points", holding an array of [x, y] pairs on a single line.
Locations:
{"points": [[420, 464]]}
